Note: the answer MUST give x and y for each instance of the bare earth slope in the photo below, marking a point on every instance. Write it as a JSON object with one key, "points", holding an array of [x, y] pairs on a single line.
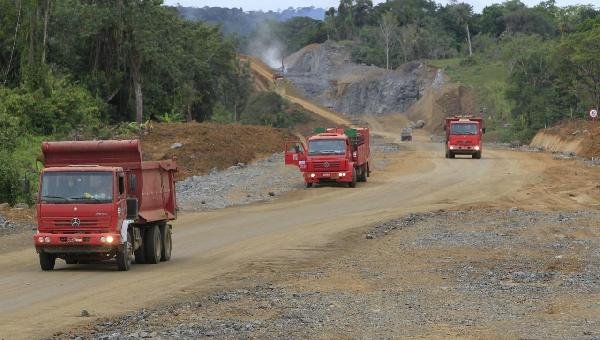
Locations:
{"points": [[206, 146], [578, 137], [265, 73]]}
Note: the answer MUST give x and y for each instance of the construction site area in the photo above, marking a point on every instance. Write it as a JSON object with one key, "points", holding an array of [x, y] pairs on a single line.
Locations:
{"points": [[506, 246]]}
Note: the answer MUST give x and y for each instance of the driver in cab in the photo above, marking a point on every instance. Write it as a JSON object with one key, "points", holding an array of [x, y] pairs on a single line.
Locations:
{"points": [[97, 190]]}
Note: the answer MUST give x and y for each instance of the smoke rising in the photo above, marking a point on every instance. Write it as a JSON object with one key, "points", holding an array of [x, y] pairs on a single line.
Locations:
{"points": [[266, 46]]}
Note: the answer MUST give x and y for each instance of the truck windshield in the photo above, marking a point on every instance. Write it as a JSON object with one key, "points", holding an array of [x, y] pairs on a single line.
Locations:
{"points": [[80, 187], [327, 147], [464, 129]]}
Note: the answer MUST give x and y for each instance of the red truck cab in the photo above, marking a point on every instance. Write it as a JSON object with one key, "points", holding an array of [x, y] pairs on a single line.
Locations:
{"points": [[332, 155], [98, 201], [464, 136]]}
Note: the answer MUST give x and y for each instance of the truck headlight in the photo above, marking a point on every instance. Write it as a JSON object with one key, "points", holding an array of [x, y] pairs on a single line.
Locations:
{"points": [[341, 174], [477, 148], [312, 175], [451, 147], [40, 239], [109, 239], [47, 239]]}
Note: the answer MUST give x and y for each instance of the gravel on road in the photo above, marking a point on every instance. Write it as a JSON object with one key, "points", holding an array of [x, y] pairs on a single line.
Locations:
{"points": [[262, 180], [472, 273]]}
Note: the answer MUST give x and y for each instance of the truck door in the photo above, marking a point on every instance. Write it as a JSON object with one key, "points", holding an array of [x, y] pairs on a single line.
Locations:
{"points": [[295, 152]]}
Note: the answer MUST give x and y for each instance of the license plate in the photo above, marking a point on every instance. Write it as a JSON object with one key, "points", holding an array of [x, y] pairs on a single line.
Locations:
{"points": [[326, 174], [75, 239]]}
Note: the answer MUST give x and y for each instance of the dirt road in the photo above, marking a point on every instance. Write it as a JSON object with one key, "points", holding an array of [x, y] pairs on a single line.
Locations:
{"points": [[206, 245], [263, 71]]}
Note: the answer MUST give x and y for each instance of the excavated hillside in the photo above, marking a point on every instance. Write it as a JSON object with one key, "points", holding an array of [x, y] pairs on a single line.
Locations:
{"points": [[326, 73], [578, 137], [442, 100]]}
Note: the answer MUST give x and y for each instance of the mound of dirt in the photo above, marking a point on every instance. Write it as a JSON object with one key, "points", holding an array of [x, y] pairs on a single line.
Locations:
{"points": [[575, 136], [326, 74], [439, 102], [205, 146]]}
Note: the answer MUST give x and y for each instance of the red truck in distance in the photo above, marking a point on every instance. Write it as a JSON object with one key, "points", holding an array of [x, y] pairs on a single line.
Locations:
{"points": [[99, 201], [333, 155], [464, 136]]}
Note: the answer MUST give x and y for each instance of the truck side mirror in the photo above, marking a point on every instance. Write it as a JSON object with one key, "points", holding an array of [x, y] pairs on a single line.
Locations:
{"points": [[132, 208]]}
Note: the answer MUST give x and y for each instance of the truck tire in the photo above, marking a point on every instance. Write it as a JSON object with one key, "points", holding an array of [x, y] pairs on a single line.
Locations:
{"points": [[153, 245], [353, 183], [451, 155], [368, 170], [308, 185], [140, 254], [167, 244], [363, 173], [47, 261], [125, 254], [477, 155]]}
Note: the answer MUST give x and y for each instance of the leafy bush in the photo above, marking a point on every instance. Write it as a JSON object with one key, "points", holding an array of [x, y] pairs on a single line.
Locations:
{"points": [[57, 109], [222, 115], [269, 108], [14, 169]]}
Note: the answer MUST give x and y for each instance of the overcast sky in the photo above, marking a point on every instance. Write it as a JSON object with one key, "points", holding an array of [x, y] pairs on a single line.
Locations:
{"points": [[251, 5]]}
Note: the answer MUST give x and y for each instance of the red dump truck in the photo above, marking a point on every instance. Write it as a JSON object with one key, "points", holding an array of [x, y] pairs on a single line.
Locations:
{"points": [[464, 136], [333, 155], [99, 201]]}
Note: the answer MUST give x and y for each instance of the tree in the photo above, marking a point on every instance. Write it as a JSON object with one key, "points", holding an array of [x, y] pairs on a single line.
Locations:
{"points": [[581, 51], [463, 13], [388, 34]]}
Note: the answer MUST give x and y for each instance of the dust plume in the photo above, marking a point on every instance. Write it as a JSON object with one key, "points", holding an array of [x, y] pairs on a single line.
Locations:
{"points": [[265, 45]]}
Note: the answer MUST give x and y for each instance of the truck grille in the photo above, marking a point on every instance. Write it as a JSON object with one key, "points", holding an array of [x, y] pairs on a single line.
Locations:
{"points": [[65, 225], [327, 165]]}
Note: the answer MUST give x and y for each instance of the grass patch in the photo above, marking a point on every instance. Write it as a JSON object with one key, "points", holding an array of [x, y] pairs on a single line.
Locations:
{"points": [[489, 80]]}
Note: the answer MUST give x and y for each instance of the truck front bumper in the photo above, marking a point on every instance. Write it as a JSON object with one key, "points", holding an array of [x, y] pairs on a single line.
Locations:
{"points": [[464, 150], [76, 243], [339, 176]]}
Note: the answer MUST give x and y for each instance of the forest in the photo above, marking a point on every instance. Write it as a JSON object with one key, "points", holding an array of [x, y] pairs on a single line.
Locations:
{"points": [[74, 68]]}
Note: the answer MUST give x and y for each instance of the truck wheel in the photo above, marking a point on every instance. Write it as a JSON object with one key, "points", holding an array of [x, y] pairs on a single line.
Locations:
{"points": [[353, 183], [167, 244], [363, 173], [153, 245], [47, 261], [308, 185], [477, 155], [368, 170], [451, 155], [125, 253]]}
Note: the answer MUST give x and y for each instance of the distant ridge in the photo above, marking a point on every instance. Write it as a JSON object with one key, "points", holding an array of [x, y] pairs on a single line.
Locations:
{"points": [[238, 21]]}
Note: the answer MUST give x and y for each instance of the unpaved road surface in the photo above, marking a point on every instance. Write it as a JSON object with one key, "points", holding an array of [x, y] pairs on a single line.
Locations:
{"points": [[264, 71], [215, 250], [474, 273]]}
